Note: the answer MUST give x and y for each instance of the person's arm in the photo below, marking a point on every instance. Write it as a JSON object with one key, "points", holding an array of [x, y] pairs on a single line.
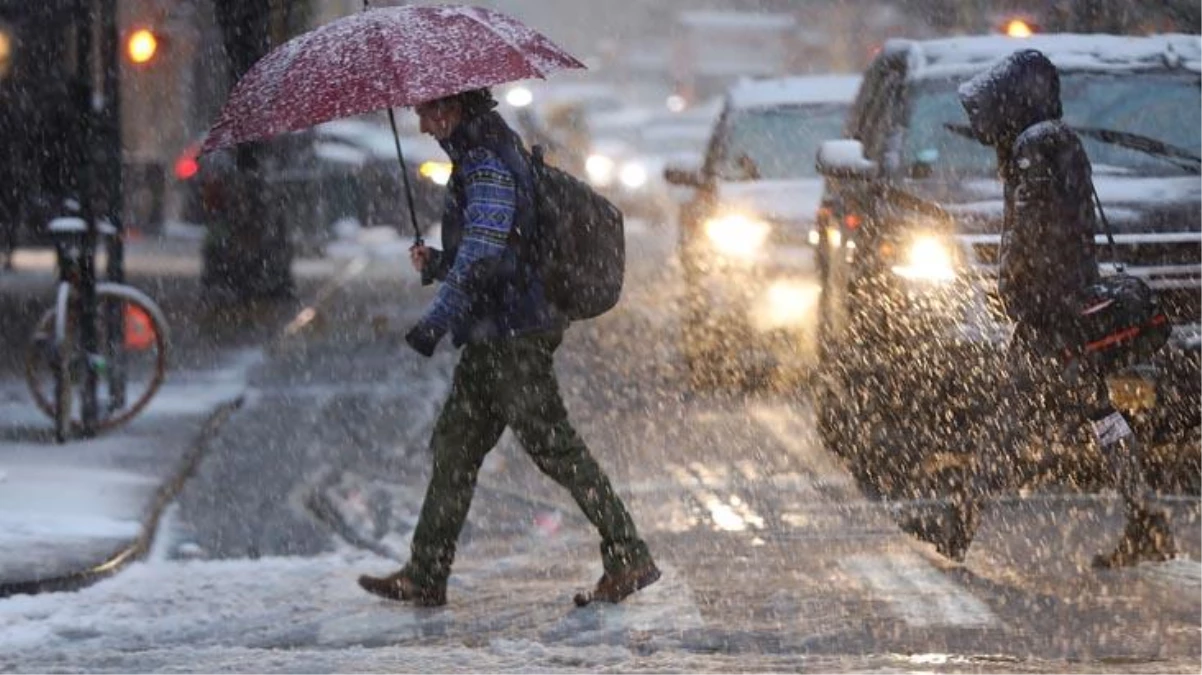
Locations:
{"points": [[491, 201], [1050, 221], [438, 262]]}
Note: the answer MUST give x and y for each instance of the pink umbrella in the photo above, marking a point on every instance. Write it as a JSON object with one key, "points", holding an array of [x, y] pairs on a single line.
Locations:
{"points": [[381, 58]]}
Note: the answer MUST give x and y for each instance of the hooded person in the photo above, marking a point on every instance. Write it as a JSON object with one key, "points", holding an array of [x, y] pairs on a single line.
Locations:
{"points": [[1046, 262], [492, 303]]}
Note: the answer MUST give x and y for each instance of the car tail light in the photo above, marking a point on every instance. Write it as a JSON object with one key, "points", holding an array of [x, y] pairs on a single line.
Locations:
{"points": [[186, 165]]}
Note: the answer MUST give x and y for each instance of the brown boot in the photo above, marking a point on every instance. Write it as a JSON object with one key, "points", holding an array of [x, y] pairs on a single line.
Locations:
{"points": [[951, 530], [1146, 537], [400, 587], [616, 587]]}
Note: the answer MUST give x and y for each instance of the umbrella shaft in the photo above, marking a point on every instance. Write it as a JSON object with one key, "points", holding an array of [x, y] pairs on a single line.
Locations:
{"points": [[400, 155], [417, 233]]}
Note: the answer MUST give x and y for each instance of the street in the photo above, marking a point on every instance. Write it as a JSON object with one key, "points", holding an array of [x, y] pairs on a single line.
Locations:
{"points": [[773, 557]]}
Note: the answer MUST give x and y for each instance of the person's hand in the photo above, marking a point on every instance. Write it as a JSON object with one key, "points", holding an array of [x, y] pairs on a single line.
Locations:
{"points": [[422, 339], [419, 255]]}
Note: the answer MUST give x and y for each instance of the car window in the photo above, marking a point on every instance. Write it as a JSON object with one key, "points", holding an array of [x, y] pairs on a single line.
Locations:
{"points": [[1161, 106], [775, 143], [674, 138], [929, 143]]}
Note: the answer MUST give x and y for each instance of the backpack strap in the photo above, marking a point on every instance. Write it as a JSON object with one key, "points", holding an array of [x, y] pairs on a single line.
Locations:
{"points": [[514, 155]]}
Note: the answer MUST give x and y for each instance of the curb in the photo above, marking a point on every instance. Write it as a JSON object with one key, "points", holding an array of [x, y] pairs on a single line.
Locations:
{"points": [[171, 488], [141, 544]]}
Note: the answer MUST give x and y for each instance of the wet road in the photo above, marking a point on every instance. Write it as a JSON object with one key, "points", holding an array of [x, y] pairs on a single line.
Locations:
{"points": [[772, 545], [773, 558]]}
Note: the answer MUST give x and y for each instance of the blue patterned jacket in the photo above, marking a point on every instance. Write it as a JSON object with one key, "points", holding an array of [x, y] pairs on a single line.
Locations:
{"points": [[488, 290]]}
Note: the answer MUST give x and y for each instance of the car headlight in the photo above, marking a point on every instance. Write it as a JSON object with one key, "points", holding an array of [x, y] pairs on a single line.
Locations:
{"points": [[737, 235], [927, 257], [437, 172], [519, 97], [600, 170], [633, 175]]}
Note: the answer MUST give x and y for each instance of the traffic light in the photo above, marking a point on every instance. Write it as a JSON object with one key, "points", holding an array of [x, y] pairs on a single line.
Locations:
{"points": [[141, 46], [1019, 27], [6, 49]]}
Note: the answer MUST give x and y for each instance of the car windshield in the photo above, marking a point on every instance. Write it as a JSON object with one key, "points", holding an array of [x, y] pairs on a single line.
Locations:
{"points": [[776, 143], [674, 140], [1159, 106]]}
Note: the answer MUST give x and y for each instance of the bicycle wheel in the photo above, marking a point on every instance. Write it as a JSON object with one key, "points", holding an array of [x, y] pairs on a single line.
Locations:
{"points": [[131, 364]]}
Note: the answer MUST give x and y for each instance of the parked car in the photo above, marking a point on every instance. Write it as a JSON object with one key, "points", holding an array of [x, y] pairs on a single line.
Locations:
{"points": [[334, 171], [911, 327], [749, 273]]}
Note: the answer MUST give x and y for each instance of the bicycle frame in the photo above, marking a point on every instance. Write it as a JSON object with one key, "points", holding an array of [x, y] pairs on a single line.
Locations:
{"points": [[75, 248]]}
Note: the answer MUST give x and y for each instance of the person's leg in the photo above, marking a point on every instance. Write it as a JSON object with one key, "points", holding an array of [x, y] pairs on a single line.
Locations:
{"points": [[467, 428], [536, 413], [993, 466], [1147, 535]]}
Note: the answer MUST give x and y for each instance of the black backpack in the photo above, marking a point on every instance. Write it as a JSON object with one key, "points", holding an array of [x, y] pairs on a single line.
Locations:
{"points": [[581, 245]]}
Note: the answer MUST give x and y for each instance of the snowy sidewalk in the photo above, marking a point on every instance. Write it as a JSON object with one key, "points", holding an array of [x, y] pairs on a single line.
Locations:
{"points": [[70, 513]]}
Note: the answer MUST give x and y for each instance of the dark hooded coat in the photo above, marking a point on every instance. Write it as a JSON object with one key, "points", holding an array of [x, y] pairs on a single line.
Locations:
{"points": [[1047, 256]]}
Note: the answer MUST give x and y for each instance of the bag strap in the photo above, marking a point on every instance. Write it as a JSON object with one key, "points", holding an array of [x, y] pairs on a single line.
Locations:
{"points": [[1114, 249], [527, 251], [536, 162]]}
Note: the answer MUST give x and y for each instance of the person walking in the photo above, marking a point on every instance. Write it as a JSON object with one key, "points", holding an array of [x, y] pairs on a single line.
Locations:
{"points": [[492, 303], [1047, 261]]}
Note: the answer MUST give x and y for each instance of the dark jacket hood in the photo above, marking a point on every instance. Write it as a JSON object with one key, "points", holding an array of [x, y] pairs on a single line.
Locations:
{"points": [[486, 129], [1019, 91]]}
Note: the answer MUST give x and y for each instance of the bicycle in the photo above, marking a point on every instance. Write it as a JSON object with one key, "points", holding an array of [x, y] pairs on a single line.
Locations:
{"points": [[132, 338]]}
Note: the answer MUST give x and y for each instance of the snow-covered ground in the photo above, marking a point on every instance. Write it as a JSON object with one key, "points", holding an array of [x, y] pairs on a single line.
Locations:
{"points": [[286, 614], [67, 507]]}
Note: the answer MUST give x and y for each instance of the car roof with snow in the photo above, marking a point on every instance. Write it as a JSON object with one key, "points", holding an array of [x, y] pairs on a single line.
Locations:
{"points": [[962, 56], [795, 90], [704, 18]]}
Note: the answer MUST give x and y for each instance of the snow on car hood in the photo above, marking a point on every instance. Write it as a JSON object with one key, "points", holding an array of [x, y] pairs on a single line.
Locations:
{"points": [[796, 199]]}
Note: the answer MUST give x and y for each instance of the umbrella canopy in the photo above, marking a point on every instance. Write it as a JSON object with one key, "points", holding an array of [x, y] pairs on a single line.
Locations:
{"points": [[381, 58]]}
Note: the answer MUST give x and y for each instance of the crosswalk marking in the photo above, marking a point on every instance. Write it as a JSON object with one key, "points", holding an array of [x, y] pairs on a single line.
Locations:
{"points": [[731, 514], [918, 593], [799, 440], [915, 591]]}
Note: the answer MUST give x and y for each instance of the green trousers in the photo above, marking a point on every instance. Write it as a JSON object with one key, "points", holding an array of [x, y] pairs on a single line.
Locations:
{"points": [[512, 383]]}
